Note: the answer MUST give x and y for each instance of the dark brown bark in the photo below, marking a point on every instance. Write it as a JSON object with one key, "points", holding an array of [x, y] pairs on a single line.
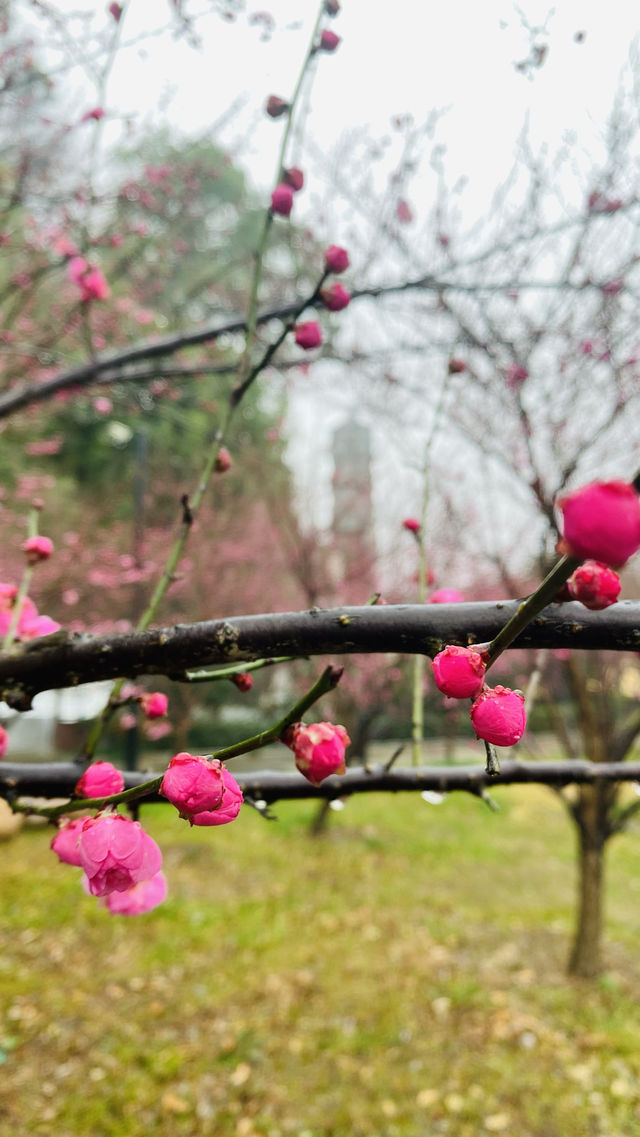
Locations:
{"points": [[585, 960]]}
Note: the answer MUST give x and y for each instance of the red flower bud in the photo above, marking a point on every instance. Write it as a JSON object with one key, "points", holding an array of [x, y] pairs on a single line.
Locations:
{"points": [[456, 366], [37, 549], [293, 177], [595, 585], [458, 672], [412, 524], [498, 716], [336, 259], [336, 297], [308, 335], [276, 107], [601, 522], [243, 680], [328, 40], [282, 199], [223, 461]]}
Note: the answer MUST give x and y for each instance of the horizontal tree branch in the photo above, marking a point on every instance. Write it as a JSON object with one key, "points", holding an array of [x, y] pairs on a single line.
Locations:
{"points": [[404, 629], [113, 366], [58, 779]]}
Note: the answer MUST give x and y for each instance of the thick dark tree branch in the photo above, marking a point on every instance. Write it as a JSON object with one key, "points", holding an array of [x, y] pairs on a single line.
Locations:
{"points": [[406, 629], [58, 779], [115, 364]]}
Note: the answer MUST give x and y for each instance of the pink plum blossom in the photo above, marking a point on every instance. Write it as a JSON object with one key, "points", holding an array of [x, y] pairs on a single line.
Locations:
{"points": [[308, 335], [193, 784], [229, 809], [65, 842], [601, 522], [37, 549], [101, 779], [595, 585], [282, 199], [445, 596], [498, 716], [318, 749], [336, 259], [154, 704], [243, 680], [458, 672], [140, 898], [116, 853], [335, 297]]}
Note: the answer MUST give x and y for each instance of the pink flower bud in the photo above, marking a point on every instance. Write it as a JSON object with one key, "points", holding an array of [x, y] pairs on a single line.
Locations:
{"points": [[293, 177], [458, 672], [595, 585], [37, 549], [601, 522], [101, 779], [116, 853], [336, 297], [318, 749], [276, 107], [456, 366], [223, 461], [154, 704], [243, 680], [308, 335], [96, 113], [282, 199], [498, 716], [515, 376], [445, 596], [328, 40], [229, 809], [140, 898], [332, 7], [412, 524], [116, 11], [193, 784], [65, 842], [403, 212], [4, 742], [336, 259]]}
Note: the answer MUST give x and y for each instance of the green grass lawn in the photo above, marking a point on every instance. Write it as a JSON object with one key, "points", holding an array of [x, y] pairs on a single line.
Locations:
{"points": [[404, 975]]}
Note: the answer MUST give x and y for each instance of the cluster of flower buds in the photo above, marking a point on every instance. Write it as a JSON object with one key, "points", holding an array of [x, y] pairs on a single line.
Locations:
{"points": [[497, 713]]}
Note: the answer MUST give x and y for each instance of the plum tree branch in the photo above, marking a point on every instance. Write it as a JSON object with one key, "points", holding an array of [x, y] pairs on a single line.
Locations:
{"points": [[404, 629]]}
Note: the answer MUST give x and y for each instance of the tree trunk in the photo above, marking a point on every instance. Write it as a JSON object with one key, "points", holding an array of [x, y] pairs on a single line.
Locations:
{"points": [[585, 959]]}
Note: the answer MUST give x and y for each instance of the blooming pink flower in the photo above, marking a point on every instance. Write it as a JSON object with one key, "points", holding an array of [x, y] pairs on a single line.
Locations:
{"points": [[282, 199], [229, 809], [335, 297], [154, 704], [445, 596], [4, 741], [328, 40], [308, 335], [116, 853], [276, 107], [601, 522], [193, 784], [101, 779], [595, 585], [498, 716], [318, 749], [38, 626], [336, 259], [94, 286], [412, 524], [223, 461], [65, 842], [293, 177], [243, 680], [458, 672], [37, 549], [140, 898]]}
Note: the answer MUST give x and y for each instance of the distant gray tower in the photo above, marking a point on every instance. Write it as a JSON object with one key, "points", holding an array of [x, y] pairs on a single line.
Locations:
{"points": [[352, 511]]}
